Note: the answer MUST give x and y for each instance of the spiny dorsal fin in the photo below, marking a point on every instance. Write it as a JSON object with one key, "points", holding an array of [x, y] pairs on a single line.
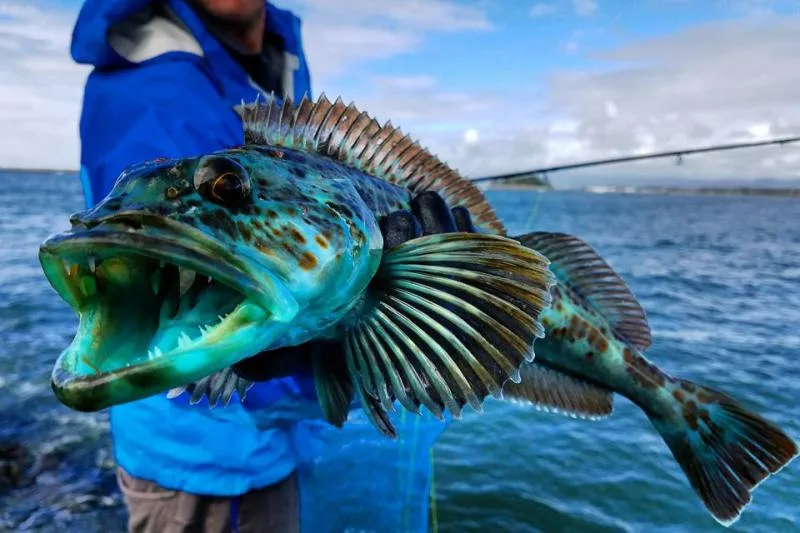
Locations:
{"points": [[578, 266], [354, 138], [551, 390], [450, 318]]}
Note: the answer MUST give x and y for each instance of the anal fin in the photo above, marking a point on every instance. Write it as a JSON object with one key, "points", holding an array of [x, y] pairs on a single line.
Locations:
{"points": [[551, 390]]}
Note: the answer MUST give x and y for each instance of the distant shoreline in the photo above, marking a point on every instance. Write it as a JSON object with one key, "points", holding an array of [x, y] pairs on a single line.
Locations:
{"points": [[547, 187], [39, 170], [699, 191], [690, 191]]}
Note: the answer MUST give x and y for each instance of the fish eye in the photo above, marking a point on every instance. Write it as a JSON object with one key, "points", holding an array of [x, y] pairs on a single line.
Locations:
{"points": [[222, 181]]}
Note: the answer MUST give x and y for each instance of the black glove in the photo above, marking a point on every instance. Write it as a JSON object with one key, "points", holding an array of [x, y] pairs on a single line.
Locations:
{"points": [[429, 215]]}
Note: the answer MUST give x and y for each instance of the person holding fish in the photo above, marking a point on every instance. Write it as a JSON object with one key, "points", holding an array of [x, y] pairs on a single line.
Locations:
{"points": [[166, 77], [302, 245]]}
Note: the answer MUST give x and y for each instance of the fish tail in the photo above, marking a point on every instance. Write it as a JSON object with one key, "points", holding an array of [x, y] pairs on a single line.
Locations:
{"points": [[725, 450]]}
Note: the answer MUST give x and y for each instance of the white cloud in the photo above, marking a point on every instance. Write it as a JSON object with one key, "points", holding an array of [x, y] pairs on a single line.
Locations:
{"points": [[724, 82], [541, 9], [584, 8], [40, 88], [341, 34]]}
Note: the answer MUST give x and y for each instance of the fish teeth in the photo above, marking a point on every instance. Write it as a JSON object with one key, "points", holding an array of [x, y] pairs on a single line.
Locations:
{"points": [[174, 393], [183, 339], [186, 277], [92, 264], [155, 281]]}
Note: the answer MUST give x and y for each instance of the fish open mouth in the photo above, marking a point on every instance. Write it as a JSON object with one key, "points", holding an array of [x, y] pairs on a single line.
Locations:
{"points": [[161, 304]]}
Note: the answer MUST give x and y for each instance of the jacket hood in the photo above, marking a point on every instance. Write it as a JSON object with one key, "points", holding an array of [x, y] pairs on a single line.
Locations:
{"points": [[112, 33]]}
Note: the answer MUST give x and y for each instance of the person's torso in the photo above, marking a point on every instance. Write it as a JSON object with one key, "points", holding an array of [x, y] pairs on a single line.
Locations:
{"points": [[249, 443]]}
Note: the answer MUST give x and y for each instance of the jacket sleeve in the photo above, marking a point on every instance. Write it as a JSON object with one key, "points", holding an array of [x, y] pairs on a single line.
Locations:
{"points": [[138, 115]]}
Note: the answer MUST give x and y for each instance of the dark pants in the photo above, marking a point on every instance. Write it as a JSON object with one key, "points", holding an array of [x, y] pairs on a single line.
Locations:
{"points": [[154, 509]]}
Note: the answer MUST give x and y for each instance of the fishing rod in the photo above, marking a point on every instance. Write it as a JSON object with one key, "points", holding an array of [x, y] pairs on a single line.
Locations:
{"points": [[674, 153]]}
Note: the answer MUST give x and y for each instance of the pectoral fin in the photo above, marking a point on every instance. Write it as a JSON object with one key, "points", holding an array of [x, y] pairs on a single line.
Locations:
{"points": [[448, 320]]}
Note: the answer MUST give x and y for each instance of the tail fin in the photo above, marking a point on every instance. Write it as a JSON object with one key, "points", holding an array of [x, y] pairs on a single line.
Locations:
{"points": [[725, 450]]}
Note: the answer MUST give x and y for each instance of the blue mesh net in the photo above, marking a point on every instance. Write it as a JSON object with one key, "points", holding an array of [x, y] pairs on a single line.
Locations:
{"points": [[362, 481]]}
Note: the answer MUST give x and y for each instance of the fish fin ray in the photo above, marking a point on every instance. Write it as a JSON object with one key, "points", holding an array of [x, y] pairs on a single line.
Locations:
{"points": [[553, 390], [218, 388], [333, 386], [354, 138], [725, 450], [448, 319], [582, 269]]}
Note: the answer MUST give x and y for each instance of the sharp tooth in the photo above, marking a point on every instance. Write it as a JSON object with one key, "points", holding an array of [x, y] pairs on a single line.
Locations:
{"points": [[92, 263], [183, 339], [157, 352], [174, 393], [155, 281], [88, 286], [186, 277]]}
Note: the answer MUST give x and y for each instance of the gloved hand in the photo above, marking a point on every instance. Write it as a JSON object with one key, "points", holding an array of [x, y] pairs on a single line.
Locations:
{"points": [[429, 215]]}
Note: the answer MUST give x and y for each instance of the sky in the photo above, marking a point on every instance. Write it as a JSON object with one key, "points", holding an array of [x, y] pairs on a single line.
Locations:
{"points": [[493, 86]]}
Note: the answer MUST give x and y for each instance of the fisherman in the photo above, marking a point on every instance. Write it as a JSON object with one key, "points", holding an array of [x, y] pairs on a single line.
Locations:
{"points": [[166, 77]]}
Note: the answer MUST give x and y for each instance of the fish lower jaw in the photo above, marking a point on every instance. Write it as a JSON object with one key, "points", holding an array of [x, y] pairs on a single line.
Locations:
{"points": [[215, 347], [147, 326]]}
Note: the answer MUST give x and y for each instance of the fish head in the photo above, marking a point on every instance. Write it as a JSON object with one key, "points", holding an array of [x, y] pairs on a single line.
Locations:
{"points": [[191, 265]]}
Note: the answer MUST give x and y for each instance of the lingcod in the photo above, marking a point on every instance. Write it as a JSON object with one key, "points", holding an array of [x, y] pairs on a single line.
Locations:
{"points": [[189, 266]]}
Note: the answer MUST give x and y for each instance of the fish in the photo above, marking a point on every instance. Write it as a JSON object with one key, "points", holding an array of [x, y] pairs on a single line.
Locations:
{"points": [[191, 265]]}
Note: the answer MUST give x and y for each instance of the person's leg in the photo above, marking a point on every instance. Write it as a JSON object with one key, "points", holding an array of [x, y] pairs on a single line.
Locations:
{"points": [[275, 509], [154, 509]]}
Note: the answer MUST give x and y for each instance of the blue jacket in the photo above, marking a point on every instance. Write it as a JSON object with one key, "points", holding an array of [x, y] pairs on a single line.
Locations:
{"points": [[163, 86]]}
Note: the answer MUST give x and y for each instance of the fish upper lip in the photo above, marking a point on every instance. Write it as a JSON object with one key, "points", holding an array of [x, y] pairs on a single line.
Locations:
{"points": [[175, 242]]}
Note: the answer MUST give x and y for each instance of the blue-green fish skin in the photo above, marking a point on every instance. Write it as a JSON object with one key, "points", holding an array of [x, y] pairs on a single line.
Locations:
{"points": [[309, 231], [596, 335]]}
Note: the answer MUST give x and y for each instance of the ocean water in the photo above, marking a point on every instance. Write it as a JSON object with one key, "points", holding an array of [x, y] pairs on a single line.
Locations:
{"points": [[718, 276]]}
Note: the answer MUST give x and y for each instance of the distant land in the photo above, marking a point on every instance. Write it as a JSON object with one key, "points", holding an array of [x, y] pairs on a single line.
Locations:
{"points": [[717, 191], [538, 183], [13, 170], [644, 185], [648, 185]]}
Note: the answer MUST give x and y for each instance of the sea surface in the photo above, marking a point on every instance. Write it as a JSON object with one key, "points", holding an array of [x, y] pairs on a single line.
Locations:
{"points": [[718, 276]]}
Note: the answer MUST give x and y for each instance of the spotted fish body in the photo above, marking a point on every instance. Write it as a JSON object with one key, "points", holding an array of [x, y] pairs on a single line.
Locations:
{"points": [[596, 335], [282, 242]]}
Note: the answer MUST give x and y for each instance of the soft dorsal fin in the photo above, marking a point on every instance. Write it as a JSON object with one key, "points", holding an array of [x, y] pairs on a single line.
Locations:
{"points": [[354, 138], [578, 266]]}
